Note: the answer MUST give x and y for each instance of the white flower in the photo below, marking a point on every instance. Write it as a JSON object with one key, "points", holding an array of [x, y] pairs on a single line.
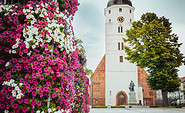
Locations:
{"points": [[14, 94], [13, 84], [12, 81], [36, 11], [13, 51], [49, 110], [38, 111], [18, 96], [33, 46], [7, 64], [19, 91], [42, 112], [20, 84], [6, 111], [17, 88]]}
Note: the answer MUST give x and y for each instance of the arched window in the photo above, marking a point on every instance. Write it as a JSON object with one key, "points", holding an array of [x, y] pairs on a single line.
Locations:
{"points": [[130, 20], [109, 11], [130, 11], [120, 9]]}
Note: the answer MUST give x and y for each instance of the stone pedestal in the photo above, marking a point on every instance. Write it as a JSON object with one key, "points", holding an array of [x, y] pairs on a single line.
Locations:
{"points": [[132, 98]]}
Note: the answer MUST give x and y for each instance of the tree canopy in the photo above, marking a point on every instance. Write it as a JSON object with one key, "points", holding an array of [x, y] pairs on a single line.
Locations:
{"points": [[152, 45]]}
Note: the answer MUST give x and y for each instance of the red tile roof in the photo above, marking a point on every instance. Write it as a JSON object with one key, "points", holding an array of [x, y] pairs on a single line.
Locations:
{"points": [[182, 79]]}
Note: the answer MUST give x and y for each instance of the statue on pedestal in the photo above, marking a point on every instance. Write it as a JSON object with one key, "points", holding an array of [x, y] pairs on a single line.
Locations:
{"points": [[131, 86]]}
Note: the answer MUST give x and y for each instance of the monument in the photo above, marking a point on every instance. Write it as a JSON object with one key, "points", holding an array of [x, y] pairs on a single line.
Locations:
{"points": [[132, 94]]}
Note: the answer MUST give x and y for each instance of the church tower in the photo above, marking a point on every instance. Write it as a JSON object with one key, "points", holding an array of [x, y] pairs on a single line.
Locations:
{"points": [[114, 74], [119, 72]]}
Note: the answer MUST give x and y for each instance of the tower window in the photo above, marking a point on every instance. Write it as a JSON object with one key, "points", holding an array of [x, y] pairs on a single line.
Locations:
{"points": [[121, 58], [130, 20], [119, 46], [122, 46], [120, 29], [130, 11], [120, 9], [109, 11]]}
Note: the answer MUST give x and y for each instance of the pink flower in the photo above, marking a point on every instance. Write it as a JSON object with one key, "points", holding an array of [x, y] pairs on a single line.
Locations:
{"points": [[48, 83], [53, 2], [25, 50], [18, 36], [45, 89], [48, 33], [34, 93], [39, 103], [36, 25], [18, 68], [13, 70], [8, 97], [4, 92], [2, 106], [26, 101], [6, 49], [21, 80], [41, 77], [49, 8], [54, 95], [7, 106], [46, 69], [46, 22], [14, 60], [8, 40], [58, 107], [20, 101], [15, 106], [24, 109]]}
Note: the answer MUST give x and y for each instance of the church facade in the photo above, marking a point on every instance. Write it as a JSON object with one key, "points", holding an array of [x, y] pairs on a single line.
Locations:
{"points": [[114, 74]]}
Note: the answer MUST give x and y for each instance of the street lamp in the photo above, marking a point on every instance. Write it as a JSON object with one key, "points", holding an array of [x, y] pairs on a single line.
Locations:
{"points": [[92, 92]]}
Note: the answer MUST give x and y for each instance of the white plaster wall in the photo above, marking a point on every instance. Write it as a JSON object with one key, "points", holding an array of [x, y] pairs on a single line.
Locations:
{"points": [[118, 74], [140, 94]]}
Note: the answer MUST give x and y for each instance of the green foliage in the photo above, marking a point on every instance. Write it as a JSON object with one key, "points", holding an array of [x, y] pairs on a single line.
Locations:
{"points": [[117, 106], [153, 46], [155, 106], [99, 106]]}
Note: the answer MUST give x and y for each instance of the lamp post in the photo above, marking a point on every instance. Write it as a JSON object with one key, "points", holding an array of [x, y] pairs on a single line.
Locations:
{"points": [[92, 92]]}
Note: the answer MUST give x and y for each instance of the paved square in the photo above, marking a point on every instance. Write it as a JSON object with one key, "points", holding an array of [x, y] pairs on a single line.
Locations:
{"points": [[138, 110]]}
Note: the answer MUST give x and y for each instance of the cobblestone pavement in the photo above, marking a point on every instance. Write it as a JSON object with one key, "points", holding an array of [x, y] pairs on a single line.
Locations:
{"points": [[138, 110]]}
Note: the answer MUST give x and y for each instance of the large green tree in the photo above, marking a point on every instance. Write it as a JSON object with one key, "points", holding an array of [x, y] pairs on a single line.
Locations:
{"points": [[152, 45]]}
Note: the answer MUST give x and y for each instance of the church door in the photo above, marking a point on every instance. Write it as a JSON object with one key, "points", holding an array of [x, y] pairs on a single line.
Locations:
{"points": [[121, 99]]}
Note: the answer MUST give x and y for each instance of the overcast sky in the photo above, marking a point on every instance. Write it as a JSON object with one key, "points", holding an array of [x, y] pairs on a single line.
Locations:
{"points": [[89, 24]]}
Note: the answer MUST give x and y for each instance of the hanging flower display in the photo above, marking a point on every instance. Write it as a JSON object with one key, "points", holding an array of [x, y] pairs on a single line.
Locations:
{"points": [[40, 67]]}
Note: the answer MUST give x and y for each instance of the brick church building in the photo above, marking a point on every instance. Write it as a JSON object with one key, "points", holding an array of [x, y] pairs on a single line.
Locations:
{"points": [[111, 79]]}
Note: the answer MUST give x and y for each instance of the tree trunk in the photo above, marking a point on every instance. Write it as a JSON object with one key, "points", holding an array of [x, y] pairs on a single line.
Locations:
{"points": [[165, 98]]}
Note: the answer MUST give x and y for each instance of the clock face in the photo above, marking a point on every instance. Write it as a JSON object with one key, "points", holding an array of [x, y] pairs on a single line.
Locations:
{"points": [[120, 19]]}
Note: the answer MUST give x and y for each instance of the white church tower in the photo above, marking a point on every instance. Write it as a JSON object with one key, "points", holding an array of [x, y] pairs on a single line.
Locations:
{"points": [[119, 72]]}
